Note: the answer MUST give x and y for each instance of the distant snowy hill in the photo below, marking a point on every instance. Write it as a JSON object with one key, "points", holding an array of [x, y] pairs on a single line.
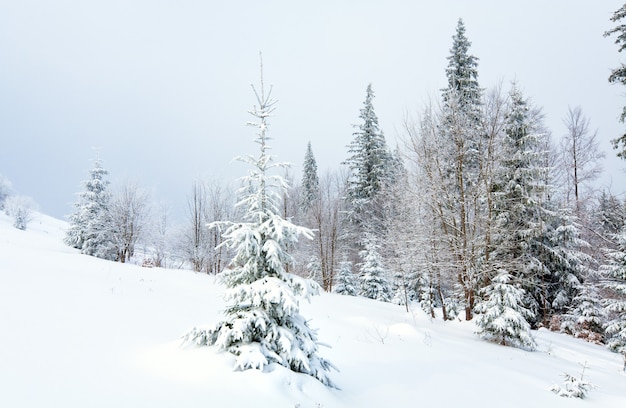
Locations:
{"points": [[77, 331]]}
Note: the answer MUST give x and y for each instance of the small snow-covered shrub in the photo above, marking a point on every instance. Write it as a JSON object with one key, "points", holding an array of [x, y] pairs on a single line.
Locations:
{"points": [[346, 280], [452, 308], [572, 387], [20, 208]]}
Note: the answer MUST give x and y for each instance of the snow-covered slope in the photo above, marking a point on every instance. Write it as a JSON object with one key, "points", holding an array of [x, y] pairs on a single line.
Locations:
{"points": [[76, 331]]}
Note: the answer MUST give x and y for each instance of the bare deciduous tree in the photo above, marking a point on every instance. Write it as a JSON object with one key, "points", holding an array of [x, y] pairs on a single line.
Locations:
{"points": [[199, 244], [581, 156], [323, 215], [327, 221], [194, 244], [451, 190], [220, 205], [129, 212], [435, 255], [159, 231]]}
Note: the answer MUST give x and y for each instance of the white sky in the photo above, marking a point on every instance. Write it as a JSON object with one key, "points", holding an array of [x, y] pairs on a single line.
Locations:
{"points": [[162, 88]]}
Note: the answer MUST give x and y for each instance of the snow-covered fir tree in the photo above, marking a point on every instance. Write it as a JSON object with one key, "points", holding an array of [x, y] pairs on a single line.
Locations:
{"points": [[263, 325], [502, 316], [615, 305], [310, 187], [90, 224], [539, 246], [373, 282], [618, 75], [608, 216], [346, 280], [564, 265], [462, 75], [586, 317], [370, 167], [604, 218]]}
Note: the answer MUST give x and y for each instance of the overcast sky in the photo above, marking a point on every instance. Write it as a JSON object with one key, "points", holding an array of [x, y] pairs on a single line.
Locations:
{"points": [[162, 88]]}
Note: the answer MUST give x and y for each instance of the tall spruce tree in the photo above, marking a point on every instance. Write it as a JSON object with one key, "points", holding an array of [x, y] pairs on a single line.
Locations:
{"points": [[263, 325], [517, 196], [462, 75], [462, 122], [370, 168], [462, 153], [536, 243], [564, 265], [310, 181], [521, 218], [609, 215], [90, 224], [605, 218], [618, 75]]}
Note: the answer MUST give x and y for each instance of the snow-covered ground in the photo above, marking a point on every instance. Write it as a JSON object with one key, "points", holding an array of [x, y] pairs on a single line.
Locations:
{"points": [[76, 331]]}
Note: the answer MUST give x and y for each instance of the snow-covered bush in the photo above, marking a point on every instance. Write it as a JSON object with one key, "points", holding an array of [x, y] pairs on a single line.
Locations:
{"points": [[20, 208], [573, 387]]}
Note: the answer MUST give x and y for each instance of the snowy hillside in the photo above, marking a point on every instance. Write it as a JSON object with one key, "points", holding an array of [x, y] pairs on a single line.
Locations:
{"points": [[77, 331]]}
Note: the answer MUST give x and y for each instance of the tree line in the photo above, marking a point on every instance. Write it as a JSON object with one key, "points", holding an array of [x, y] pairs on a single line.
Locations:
{"points": [[477, 213]]}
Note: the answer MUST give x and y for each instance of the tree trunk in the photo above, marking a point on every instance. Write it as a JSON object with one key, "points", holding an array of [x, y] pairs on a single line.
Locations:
{"points": [[469, 308]]}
